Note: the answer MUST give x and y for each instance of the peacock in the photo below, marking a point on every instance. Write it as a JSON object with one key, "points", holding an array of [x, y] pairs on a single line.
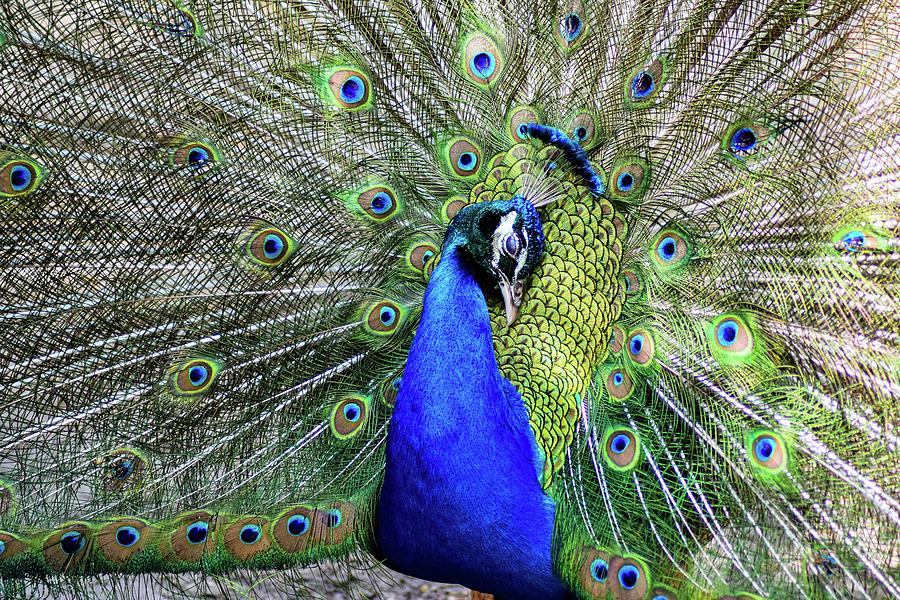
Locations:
{"points": [[564, 299]]}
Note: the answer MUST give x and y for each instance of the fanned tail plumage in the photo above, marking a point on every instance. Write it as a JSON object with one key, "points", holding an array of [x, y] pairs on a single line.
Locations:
{"points": [[218, 220]]}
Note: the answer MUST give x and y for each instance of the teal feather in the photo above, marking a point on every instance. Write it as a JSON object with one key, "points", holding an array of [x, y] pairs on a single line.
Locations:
{"points": [[218, 220]]}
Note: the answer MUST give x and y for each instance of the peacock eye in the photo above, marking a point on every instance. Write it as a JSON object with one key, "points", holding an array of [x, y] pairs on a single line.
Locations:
{"points": [[121, 468], [194, 377], [743, 141], [629, 577], [570, 27], [642, 85], [127, 536], [482, 61], [298, 525], [198, 532], [196, 156], [599, 570], [72, 542], [350, 88], [250, 534], [511, 245], [19, 177]]}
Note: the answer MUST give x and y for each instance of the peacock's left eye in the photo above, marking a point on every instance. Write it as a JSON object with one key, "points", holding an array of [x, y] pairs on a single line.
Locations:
{"points": [[511, 245]]}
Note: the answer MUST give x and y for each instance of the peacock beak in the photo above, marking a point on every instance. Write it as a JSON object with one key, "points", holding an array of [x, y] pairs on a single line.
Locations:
{"points": [[512, 297]]}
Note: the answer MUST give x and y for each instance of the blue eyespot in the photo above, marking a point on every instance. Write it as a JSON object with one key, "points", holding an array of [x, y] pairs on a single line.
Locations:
{"points": [[426, 256], [618, 378], [127, 536], [570, 27], [395, 383], [580, 134], [667, 248], [467, 161], [353, 90], [483, 64], [272, 246], [333, 518], [854, 241], [2, 547], [636, 344], [352, 412], [523, 130], [298, 525], [122, 468], [250, 534], [826, 563], [625, 182], [599, 570], [387, 316], [381, 203], [743, 141], [660, 598], [71, 542], [727, 332], [642, 85], [20, 177], [620, 443], [197, 157], [198, 374], [629, 576], [764, 448], [198, 532]]}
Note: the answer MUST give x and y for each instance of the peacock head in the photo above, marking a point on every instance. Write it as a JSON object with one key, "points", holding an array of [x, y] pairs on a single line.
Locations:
{"points": [[504, 240]]}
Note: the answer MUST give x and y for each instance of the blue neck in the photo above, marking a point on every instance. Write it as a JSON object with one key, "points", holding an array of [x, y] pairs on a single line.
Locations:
{"points": [[461, 500]]}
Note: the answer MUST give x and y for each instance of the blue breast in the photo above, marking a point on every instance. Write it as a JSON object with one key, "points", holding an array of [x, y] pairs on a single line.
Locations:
{"points": [[461, 500]]}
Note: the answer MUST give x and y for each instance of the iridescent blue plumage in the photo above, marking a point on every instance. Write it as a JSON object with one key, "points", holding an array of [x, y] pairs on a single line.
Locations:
{"points": [[461, 499]]}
